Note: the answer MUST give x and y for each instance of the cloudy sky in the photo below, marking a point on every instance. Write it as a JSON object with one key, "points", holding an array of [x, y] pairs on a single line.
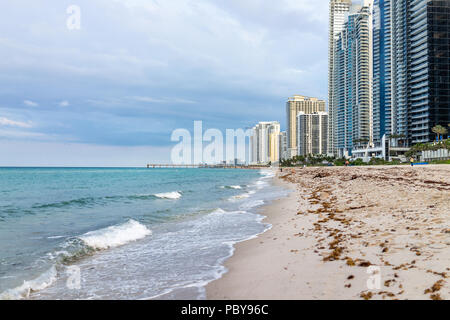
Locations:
{"points": [[112, 92]]}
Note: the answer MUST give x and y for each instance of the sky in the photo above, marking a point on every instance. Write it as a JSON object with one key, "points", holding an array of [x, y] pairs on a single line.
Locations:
{"points": [[111, 92]]}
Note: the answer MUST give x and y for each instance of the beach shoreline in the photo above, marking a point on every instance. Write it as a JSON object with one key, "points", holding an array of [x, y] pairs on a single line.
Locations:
{"points": [[348, 233]]}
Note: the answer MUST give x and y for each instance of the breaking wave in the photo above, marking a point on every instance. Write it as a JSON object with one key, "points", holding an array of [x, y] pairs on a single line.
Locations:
{"points": [[231, 187], [115, 236], [169, 195], [77, 248], [45, 280]]}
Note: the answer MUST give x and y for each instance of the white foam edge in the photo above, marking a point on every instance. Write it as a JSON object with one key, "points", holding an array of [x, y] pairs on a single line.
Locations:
{"points": [[115, 236], [23, 291]]}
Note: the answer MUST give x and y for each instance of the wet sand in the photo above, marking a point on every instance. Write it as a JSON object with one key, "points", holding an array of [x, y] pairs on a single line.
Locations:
{"points": [[349, 233]]}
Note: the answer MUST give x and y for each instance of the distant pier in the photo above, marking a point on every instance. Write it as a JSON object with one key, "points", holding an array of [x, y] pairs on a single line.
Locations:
{"points": [[206, 166]]}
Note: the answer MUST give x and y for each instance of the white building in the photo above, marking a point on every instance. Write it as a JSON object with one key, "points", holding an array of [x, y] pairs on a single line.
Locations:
{"points": [[338, 13], [265, 139]]}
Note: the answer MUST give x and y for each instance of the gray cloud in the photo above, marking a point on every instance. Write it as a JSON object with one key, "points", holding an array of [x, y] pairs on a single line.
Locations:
{"points": [[138, 69]]}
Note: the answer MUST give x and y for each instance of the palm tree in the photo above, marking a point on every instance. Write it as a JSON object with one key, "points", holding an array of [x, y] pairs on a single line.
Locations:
{"points": [[439, 130], [442, 131]]}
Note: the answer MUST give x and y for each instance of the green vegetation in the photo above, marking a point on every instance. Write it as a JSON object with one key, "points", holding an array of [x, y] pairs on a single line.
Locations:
{"points": [[433, 146], [311, 160], [440, 131], [322, 160], [440, 162]]}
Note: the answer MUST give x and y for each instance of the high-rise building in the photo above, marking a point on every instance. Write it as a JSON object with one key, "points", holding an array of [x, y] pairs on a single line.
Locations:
{"points": [[390, 68], [294, 105], [274, 148], [264, 142], [282, 143], [428, 67], [312, 133], [411, 85], [352, 83], [337, 16]]}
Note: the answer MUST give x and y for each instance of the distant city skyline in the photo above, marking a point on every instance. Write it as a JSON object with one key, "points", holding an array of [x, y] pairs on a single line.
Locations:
{"points": [[111, 93]]}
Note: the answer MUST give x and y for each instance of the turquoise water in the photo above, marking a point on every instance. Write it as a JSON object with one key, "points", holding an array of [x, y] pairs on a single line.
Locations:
{"points": [[129, 233]]}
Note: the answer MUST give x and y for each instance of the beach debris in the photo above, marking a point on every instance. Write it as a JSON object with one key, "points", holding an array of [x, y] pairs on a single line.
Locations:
{"points": [[398, 211], [435, 288], [364, 264], [366, 295], [387, 283], [350, 262]]}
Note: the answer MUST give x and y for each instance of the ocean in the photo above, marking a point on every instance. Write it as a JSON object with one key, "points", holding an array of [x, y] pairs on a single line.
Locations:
{"points": [[115, 233]]}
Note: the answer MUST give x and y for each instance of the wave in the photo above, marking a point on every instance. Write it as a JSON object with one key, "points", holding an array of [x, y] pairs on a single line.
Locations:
{"points": [[115, 236], [267, 174], [77, 248], [218, 211], [22, 292], [90, 201], [62, 204], [231, 187], [221, 212], [252, 204], [169, 195], [240, 197]]}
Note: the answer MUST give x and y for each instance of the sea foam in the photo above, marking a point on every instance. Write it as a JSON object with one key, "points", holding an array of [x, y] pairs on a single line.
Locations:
{"points": [[115, 236], [22, 292], [231, 187], [169, 195]]}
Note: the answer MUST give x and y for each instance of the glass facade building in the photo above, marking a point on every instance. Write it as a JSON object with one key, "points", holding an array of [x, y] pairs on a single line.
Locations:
{"points": [[411, 68], [312, 133], [428, 67], [390, 106], [352, 82], [338, 12]]}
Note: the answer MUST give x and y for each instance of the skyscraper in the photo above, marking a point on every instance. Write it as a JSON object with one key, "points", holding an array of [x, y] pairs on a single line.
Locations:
{"points": [[411, 68], [338, 13], [265, 142], [295, 105], [352, 82], [390, 68], [428, 67], [312, 133], [282, 144]]}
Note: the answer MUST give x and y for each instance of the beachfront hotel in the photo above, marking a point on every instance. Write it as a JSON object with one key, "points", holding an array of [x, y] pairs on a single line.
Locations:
{"points": [[265, 143], [294, 106], [338, 13], [312, 133], [351, 120], [411, 68], [390, 76], [389, 73]]}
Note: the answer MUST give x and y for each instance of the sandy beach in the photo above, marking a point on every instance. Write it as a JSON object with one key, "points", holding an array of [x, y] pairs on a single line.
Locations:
{"points": [[349, 233]]}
